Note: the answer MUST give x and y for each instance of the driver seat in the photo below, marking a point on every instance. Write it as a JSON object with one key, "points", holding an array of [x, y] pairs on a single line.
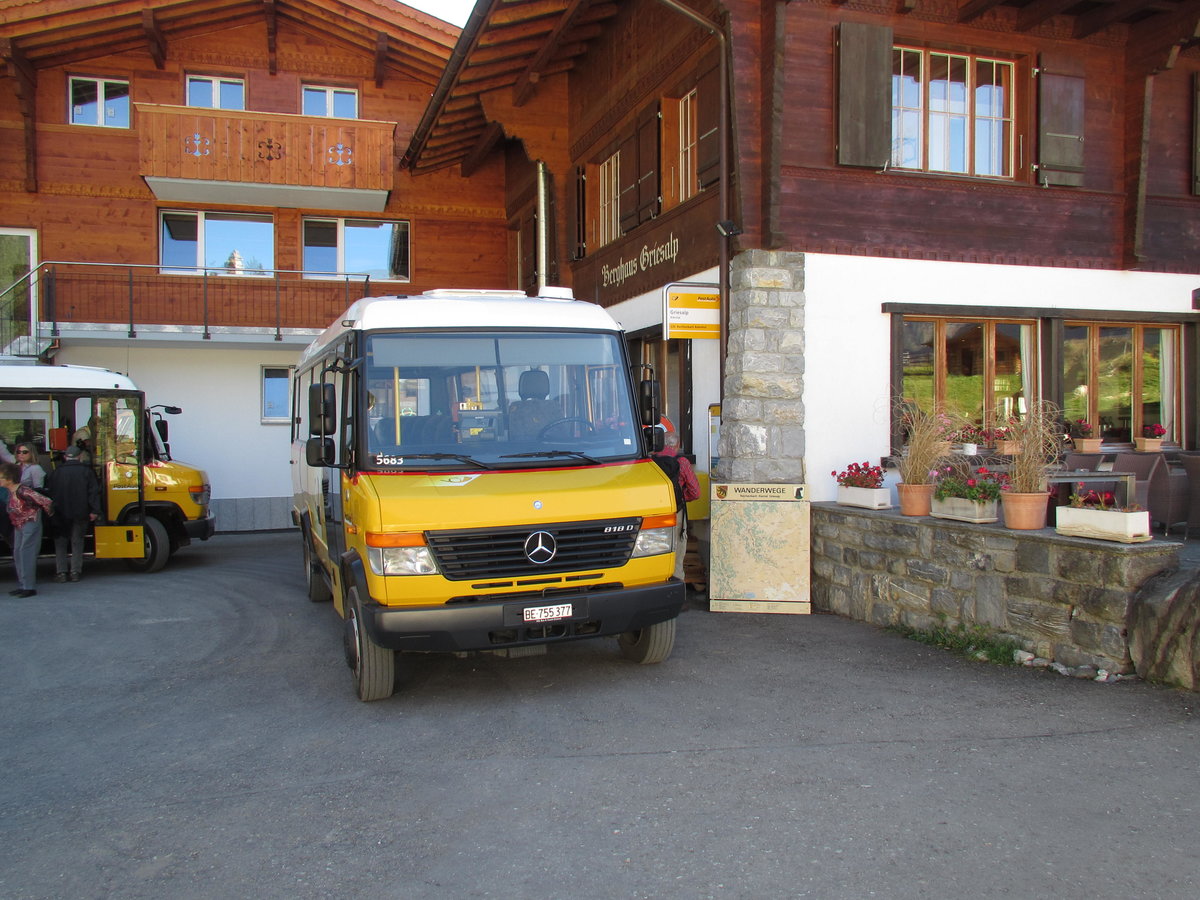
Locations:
{"points": [[533, 412]]}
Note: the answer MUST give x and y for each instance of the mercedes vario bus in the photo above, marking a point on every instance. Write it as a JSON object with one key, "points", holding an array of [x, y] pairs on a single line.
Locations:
{"points": [[472, 472], [153, 505]]}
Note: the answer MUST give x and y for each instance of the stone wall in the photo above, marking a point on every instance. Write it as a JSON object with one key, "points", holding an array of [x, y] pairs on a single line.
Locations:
{"points": [[1065, 599]]}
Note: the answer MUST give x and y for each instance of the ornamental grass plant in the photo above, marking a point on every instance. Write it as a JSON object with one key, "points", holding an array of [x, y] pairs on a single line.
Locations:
{"points": [[926, 433], [1039, 436]]}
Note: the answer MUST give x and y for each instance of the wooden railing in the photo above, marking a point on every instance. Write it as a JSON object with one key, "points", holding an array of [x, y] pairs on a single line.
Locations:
{"points": [[265, 148]]}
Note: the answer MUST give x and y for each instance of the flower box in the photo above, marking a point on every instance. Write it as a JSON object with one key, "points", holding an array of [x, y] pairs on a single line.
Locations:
{"points": [[1103, 524], [1086, 445], [867, 498], [1147, 445], [1007, 447], [961, 509]]}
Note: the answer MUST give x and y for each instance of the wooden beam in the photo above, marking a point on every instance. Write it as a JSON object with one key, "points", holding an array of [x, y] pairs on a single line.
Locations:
{"points": [[527, 82], [491, 136], [272, 34], [25, 76], [1107, 14], [970, 10], [155, 42], [381, 52], [1155, 43], [1039, 11]]}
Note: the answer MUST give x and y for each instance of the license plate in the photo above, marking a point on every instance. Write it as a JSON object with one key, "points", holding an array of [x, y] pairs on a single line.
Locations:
{"points": [[547, 613]]}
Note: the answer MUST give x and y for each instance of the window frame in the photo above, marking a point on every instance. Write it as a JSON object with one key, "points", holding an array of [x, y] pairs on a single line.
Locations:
{"points": [[100, 82], [215, 82], [330, 91], [288, 373], [608, 200], [341, 274]]}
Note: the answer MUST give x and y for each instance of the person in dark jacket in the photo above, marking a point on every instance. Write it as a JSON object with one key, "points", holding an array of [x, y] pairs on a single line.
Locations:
{"points": [[76, 494]]}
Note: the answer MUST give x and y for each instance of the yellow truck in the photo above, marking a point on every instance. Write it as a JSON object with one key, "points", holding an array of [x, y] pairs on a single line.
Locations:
{"points": [[153, 504], [471, 472]]}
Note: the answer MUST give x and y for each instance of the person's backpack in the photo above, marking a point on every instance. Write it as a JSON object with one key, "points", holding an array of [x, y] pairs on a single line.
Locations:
{"points": [[670, 465]]}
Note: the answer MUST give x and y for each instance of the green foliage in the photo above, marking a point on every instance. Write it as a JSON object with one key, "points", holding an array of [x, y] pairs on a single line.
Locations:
{"points": [[972, 641]]}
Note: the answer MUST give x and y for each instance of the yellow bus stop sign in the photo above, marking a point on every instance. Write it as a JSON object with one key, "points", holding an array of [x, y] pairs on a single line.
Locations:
{"points": [[691, 311]]}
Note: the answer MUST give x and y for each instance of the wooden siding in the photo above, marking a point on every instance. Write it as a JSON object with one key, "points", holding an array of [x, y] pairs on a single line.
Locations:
{"points": [[264, 148]]}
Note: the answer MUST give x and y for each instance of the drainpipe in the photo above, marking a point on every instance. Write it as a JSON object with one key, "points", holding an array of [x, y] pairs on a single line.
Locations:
{"points": [[723, 188], [542, 259]]}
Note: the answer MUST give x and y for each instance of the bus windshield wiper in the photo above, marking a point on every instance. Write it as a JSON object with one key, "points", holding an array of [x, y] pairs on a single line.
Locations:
{"points": [[466, 460], [546, 454]]}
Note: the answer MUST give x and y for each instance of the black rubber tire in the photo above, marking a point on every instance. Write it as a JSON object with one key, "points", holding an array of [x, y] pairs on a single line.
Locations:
{"points": [[157, 546], [374, 667], [314, 580], [649, 645]]}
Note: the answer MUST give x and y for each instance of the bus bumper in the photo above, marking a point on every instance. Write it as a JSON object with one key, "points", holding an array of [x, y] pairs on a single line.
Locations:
{"points": [[494, 626], [200, 529]]}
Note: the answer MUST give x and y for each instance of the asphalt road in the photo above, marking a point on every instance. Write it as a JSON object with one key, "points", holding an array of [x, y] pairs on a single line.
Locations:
{"points": [[195, 734]]}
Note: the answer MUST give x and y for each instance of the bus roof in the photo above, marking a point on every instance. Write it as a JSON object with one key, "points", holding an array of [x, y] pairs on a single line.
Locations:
{"points": [[453, 309], [25, 377]]}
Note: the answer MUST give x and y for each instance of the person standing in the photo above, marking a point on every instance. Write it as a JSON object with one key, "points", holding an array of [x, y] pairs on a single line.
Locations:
{"points": [[76, 494], [687, 488], [25, 507], [32, 474]]}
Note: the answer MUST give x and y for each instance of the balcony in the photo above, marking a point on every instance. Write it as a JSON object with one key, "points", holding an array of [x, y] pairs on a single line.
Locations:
{"points": [[215, 156], [97, 302]]}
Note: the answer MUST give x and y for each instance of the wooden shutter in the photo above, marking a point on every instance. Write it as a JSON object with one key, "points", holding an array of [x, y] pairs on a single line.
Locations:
{"points": [[580, 193], [648, 163], [1196, 135], [1061, 110], [864, 95], [627, 182], [708, 128]]}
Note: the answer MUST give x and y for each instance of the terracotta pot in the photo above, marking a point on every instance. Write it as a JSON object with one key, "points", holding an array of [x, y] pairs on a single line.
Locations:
{"points": [[1025, 512], [1086, 445], [915, 499]]}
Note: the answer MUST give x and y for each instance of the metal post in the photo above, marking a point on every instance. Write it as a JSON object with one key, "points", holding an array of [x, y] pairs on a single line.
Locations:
{"points": [[207, 336], [132, 328], [278, 310], [52, 301]]}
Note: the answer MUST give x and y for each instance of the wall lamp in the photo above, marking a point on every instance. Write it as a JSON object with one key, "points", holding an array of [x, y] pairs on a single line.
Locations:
{"points": [[728, 229]]}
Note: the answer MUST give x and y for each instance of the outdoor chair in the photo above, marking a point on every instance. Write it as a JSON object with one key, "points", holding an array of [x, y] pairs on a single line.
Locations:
{"points": [[1191, 467], [1073, 462], [1162, 492]]}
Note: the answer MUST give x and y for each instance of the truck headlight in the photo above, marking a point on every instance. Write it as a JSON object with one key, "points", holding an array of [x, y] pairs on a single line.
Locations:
{"points": [[656, 537], [401, 561]]}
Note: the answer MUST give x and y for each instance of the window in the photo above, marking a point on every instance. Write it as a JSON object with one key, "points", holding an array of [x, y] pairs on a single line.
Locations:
{"points": [[216, 93], [982, 370], [952, 113], [609, 226], [216, 243], [373, 249], [100, 101], [1122, 378], [337, 103], [686, 183], [275, 404]]}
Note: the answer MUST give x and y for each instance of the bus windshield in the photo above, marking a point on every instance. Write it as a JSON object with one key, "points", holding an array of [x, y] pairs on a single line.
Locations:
{"points": [[496, 399]]}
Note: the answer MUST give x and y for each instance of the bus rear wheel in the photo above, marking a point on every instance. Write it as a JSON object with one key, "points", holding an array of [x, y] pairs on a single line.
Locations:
{"points": [[374, 667], [156, 545], [648, 645]]}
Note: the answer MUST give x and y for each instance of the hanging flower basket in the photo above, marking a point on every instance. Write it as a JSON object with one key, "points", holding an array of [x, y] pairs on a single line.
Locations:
{"points": [[1103, 524]]}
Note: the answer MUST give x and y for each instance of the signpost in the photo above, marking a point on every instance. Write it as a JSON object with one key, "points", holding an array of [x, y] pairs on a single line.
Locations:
{"points": [[691, 311]]}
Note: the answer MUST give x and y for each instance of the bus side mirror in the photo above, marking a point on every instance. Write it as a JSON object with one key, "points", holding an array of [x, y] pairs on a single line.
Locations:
{"points": [[318, 451], [648, 400], [322, 410], [655, 438], [160, 425]]}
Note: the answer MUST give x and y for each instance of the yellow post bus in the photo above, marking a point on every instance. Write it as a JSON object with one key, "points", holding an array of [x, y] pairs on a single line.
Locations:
{"points": [[471, 473], [153, 505]]}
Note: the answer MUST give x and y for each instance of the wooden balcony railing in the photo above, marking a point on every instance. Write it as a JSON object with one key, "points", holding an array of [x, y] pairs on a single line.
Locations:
{"points": [[265, 148]]}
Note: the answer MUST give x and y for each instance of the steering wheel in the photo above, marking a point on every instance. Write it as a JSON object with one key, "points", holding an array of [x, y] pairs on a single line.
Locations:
{"points": [[557, 422]]}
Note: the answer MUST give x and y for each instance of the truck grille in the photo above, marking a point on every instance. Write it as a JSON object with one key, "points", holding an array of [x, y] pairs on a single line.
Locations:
{"points": [[500, 552]]}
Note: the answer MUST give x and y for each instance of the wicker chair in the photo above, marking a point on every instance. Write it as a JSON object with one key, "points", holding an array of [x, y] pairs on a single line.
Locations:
{"points": [[1191, 466], [1074, 462], [1163, 492]]}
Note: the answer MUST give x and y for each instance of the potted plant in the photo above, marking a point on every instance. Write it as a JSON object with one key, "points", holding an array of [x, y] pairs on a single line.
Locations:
{"points": [[1081, 431], [1094, 514], [1039, 438], [926, 442], [970, 436], [1151, 439], [1004, 442], [861, 484], [967, 495]]}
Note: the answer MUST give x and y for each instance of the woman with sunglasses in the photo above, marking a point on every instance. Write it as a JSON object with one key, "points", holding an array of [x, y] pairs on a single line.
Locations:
{"points": [[32, 474]]}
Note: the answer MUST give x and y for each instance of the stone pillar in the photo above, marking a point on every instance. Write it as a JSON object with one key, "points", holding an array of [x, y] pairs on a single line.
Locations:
{"points": [[762, 411]]}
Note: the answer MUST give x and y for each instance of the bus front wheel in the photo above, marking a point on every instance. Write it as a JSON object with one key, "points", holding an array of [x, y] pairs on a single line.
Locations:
{"points": [[649, 645], [156, 546], [374, 667]]}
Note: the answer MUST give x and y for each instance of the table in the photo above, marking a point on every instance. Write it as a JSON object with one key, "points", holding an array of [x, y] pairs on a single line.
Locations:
{"points": [[1126, 481]]}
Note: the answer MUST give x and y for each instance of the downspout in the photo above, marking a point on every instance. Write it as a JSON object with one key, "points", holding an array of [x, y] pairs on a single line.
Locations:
{"points": [[542, 225], [723, 188]]}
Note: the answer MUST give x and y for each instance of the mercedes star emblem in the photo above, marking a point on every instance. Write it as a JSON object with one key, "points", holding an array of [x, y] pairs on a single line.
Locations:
{"points": [[540, 547]]}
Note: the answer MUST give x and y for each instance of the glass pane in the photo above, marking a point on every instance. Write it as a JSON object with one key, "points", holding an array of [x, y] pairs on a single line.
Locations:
{"points": [[917, 361], [345, 104], [199, 92], [1114, 383], [320, 246], [371, 247], [315, 103], [275, 393], [965, 364], [1013, 362], [1076, 374], [233, 95], [1157, 354], [179, 244], [16, 259], [85, 102], [116, 104], [234, 244]]}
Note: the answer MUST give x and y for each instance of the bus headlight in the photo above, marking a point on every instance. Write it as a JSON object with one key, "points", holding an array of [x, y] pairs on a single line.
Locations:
{"points": [[656, 537], [401, 561]]}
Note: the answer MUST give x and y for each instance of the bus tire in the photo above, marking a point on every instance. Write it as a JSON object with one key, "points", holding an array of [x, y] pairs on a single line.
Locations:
{"points": [[314, 579], [374, 667], [157, 545], [648, 645]]}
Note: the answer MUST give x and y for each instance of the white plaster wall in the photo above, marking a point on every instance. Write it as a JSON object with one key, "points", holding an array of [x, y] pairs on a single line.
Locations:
{"points": [[220, 429], [847, 343]]}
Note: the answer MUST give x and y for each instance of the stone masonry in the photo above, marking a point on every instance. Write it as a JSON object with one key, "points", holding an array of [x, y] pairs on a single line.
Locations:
{"points": [[1064, 599], [762, 411]]}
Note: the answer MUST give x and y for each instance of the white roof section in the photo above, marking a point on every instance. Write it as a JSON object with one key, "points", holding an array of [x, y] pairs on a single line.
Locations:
{"points": [[32, 376], [555, 309]]}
